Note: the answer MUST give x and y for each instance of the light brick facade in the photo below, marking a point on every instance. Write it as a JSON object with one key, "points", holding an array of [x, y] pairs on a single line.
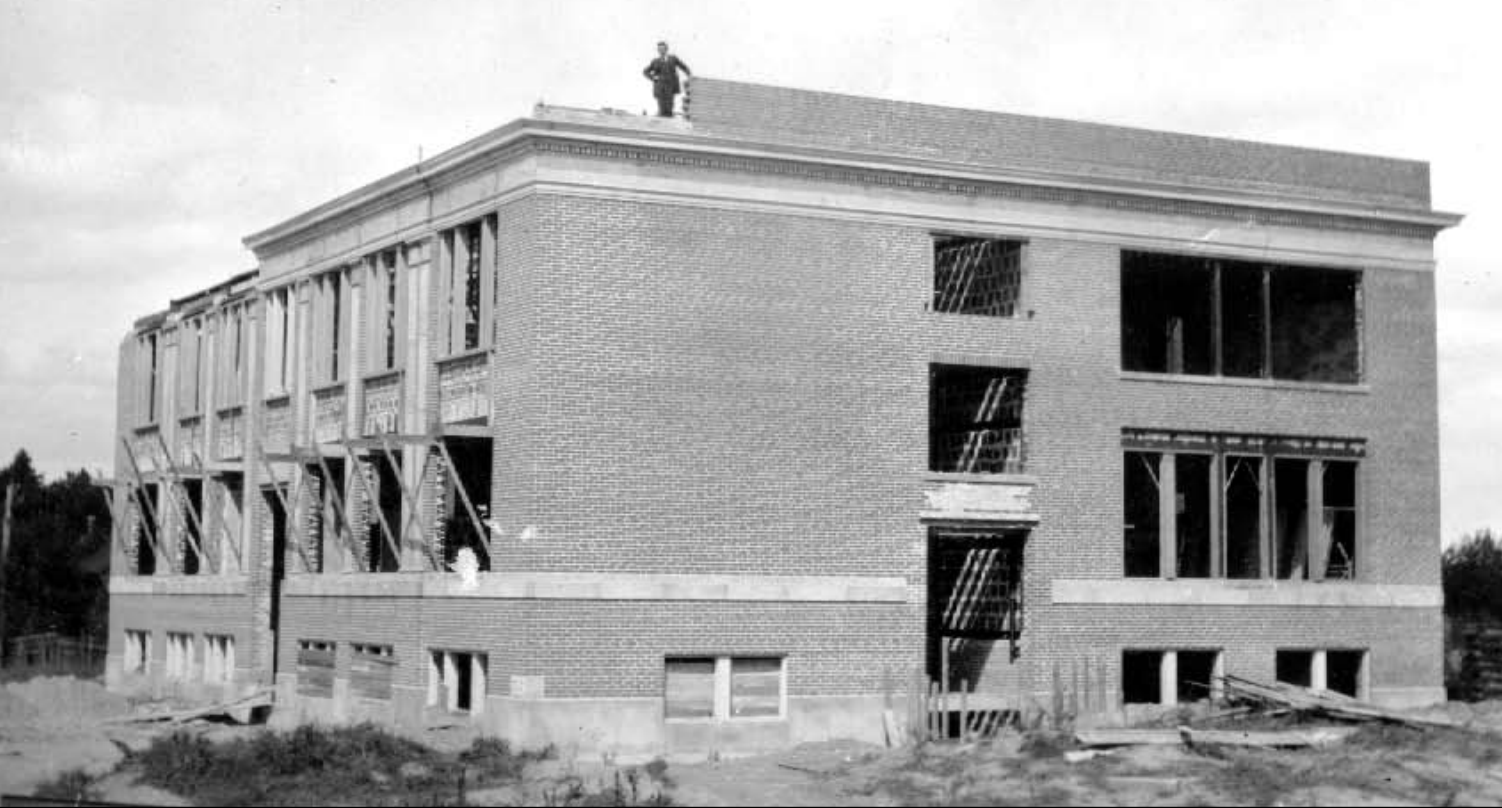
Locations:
{"points": [[707, 399]]}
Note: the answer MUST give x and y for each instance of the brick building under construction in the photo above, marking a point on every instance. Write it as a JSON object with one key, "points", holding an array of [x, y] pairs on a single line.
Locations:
{"points": [[706, 433]]}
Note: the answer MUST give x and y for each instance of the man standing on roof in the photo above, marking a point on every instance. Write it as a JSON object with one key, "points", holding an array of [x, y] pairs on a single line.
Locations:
{"points": [[663, 71]]}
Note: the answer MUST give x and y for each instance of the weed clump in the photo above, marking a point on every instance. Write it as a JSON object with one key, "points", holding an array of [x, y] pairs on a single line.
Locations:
{"points": [[72, 786]]}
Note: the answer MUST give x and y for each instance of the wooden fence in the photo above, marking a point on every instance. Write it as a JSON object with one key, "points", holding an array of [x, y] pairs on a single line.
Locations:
{"points": [[1079, 689], [54, 654]]}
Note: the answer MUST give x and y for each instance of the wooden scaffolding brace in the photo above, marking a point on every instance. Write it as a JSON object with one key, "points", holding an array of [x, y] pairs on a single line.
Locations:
{"points": [[385, 443], [175, 480], [151, 525], [310, 457], [289, 515]]}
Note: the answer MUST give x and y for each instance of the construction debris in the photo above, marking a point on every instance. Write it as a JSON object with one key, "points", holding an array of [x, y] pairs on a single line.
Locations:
{"points": [[1282, 695], [232, 709], [1287, 739]]}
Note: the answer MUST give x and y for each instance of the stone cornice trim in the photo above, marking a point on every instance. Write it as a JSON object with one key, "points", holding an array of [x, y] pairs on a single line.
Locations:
{"points": [[179, 585], [604, 586], [1211, 592], [521, 136]]}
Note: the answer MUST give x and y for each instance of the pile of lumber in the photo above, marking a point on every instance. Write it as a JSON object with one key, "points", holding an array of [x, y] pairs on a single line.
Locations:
{"points": [[1282, 696], [240, 706], [1287, 739]]}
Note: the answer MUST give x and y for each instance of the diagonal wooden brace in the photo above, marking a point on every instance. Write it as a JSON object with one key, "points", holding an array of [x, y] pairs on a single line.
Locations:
{"points": [[375, 505], [177, 482], [287, 512], [347, 534], [154, 528], [481, 529], [414, 513]]}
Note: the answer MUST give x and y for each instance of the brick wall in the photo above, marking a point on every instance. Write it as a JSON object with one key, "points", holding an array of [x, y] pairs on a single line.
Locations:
{"points": [[993, 139]]}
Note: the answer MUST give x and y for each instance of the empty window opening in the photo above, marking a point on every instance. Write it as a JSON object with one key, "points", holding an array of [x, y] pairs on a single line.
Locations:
{"points": [[388, 490], [1344, 672], [179, 655], [974, 596], [1316, 325], [151, 379], [1192, 502], [370, 670], [137, 650], [467, 272], [192, 535], [1141, 518], [1295, 667], [386, 288], [1243, 517], [1339, 524], [231, 523], [689, 688], [1196, 675], [456, 681], [218, 658], [145, 530], [331, 526], [975, 420], [315, 668], [977, 276], [1166, 302], [1291, 537], [1242, 320], [472, 469], [1182, 314], [1141, 677]]}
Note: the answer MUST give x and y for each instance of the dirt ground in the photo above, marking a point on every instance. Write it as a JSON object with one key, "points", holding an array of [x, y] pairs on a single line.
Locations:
{"points": [[53, 725]]}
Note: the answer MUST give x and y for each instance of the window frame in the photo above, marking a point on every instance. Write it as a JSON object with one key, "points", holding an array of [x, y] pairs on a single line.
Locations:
{"points": [[1217, 267], [723, 704], [1020, 246], [453, 256], [1270, 450]]}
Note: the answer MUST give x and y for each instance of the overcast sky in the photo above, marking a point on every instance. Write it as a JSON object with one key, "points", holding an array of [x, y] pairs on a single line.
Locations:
{"points": [[139, 141]]}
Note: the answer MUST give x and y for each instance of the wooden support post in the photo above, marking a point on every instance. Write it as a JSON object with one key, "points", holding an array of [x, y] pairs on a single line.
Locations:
{"points": [[1168, 679], [964, 710], [944, 688], [1168, 517]]}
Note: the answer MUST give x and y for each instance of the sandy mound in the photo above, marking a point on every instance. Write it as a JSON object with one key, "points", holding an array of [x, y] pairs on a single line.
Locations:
{"points": [[61, 699]]}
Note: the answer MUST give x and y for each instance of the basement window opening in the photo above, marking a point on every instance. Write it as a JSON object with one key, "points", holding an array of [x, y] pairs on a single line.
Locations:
{"points": [[315, 668], [137, 650], [1345, 672], [975, 420], [456, 681], [977, 276], [724, 688], [370, 670], [179, 655], [1141, 677], [218, 658], [1294, 667]]}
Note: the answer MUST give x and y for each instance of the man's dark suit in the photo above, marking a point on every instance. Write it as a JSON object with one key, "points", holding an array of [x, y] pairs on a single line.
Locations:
{"points": [[663, 71]]}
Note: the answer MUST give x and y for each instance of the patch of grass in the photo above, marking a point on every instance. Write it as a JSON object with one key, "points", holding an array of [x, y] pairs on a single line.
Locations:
{"points": [[492, 759], [74, 785], [1045, 744], [309, 765]]}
